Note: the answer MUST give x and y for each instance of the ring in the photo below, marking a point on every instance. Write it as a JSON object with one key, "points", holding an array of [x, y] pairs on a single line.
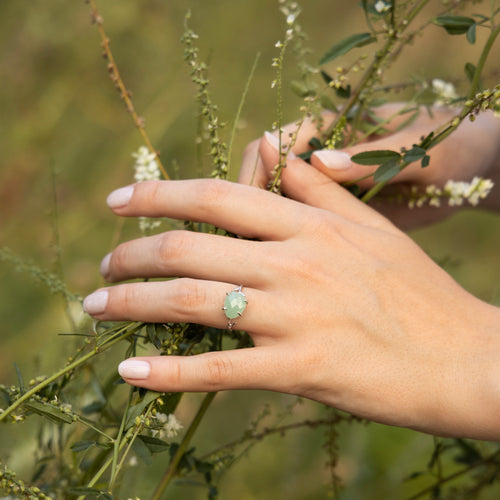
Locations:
{"points": [[234, 305]]}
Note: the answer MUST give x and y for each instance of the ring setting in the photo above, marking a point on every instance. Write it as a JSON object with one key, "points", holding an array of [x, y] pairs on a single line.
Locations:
{"points": [[234, 305]]}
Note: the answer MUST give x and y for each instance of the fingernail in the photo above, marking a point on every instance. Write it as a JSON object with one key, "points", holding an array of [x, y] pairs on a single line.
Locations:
{"points": [[96, 302], [275, 143], [104, 267], [120, 197], [134, 368], [336, 160]]}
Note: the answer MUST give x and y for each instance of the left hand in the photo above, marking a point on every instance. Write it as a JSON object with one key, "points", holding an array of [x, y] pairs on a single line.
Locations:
{"points": [[343, 307]]}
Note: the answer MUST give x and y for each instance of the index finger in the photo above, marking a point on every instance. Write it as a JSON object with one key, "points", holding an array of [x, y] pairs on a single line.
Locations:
{"points": [[243, 210]]}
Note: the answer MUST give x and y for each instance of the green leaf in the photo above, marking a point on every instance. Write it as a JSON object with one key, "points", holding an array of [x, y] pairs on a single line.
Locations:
{"points": [[170, 402], [301, 89], [82, 446], [142, 451], [471, 34], [136, 410], [470, 70], [354, 189], [153, 444], [414, 154], [345, 45], [455, 25], [425, 161], [343, 92], [20, 379], [80, 490], [376, 157], [386, 171], [49, 411], [315, 143]]}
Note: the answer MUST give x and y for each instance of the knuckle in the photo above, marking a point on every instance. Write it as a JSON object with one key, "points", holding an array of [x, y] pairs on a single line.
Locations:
{"points": [[172, 246], [126, 301], [212, 193], [188, 297], [219, 370]]}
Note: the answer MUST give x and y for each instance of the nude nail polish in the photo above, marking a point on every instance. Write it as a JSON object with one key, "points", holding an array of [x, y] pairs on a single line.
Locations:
{"points": [[104, 267], [335, 160], [120, 197], [135, 369], [275, 143], [96, 302]]}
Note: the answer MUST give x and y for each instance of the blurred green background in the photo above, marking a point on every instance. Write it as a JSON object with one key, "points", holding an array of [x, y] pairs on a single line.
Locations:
{"points": [[59, 114]]}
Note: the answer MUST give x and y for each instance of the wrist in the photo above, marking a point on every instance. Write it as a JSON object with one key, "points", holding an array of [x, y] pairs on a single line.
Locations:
{"points": [[470, 402], [492, 202]]}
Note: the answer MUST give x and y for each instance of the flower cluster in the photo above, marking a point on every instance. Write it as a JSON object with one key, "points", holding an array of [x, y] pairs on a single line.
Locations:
{"points": [[146, 169], [456, 192], [445, 92], [168, 427], [381, 6]]}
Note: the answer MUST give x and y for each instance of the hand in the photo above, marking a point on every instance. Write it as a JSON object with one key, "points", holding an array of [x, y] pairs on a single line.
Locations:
{"points": [[472, 150], [343, 307]]}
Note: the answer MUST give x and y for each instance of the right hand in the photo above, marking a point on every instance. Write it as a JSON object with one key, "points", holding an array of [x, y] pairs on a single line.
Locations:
{"points": [[472, 150]]}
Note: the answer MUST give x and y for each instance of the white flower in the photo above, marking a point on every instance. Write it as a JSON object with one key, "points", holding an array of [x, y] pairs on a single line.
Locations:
{"points": [[171, 426], [146, 167], [382, 6], [290, 19], [457, 193], [445, 91]]}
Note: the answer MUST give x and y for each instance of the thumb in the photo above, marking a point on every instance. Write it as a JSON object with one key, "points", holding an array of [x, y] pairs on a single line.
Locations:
{"points": [[250, 368]]}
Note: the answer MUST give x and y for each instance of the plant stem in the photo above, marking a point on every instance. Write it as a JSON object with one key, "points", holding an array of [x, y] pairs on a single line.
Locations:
{"points": [[482, 60], [27, 395], [380, 56], [120, 86], [174, 462], [490, 459]]}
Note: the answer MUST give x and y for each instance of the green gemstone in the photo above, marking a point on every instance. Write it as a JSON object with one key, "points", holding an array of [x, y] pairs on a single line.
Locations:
{"points": [[234, 304]]}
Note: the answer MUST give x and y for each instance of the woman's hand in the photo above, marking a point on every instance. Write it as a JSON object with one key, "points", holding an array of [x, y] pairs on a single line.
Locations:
{"points": [[472, 150], [343, 308]]}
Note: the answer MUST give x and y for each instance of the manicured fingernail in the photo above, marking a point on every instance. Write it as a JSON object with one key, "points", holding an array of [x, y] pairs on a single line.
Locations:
{"points": [[336, 160], [134, 368], [96, 302], [120, 197], [104, 267], [275, 143]]}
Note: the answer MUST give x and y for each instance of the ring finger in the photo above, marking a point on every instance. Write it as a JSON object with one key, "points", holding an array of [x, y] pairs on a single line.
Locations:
{"points": [[178, 301]]}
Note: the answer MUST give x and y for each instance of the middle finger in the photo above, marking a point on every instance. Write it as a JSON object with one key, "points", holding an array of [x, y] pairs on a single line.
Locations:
{"points": [[189, 254]]}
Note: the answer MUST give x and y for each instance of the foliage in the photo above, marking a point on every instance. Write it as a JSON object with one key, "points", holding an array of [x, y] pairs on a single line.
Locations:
{"points": [[91, 434]]}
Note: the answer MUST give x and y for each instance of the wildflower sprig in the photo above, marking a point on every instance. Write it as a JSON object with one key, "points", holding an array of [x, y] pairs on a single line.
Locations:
{"points": [[146, 168], [454, 193], [117, 80], [208, 110], [291, 11]]}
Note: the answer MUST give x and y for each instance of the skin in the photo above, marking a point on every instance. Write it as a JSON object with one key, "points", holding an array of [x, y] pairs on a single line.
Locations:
{"points": [[343, 307]]}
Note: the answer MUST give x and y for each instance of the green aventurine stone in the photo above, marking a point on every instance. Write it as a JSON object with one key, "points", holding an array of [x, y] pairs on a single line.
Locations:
{"points": [[234, 303]]}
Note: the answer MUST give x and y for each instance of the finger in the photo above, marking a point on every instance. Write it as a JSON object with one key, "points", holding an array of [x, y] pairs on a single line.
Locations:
{"points": [[252, 171], [304, 183], [243, 210], [336, 165], [179, 301], [251, 368], [179, 253]]}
